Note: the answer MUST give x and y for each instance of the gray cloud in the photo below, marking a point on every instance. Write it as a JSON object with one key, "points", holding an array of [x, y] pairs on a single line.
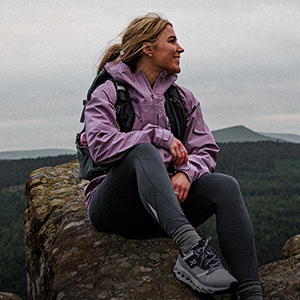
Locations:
{"points": [[241, 61]]}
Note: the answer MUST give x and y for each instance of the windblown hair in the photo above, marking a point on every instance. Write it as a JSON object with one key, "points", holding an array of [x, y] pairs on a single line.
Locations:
{"points": [[140, 30]]}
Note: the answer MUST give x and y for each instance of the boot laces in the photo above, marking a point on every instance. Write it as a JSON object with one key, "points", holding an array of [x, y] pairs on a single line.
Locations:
{"points": [[207, 257]]}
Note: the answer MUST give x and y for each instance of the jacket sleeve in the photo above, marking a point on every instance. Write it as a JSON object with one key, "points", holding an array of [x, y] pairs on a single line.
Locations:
{"points": [[198, 140], [107, 144]]}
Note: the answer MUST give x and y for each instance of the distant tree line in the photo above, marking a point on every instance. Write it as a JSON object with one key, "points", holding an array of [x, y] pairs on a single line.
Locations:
{"points": [[236, 158], [15, 172]]}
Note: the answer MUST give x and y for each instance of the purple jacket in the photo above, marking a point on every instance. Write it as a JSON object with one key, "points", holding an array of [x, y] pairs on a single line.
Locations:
{"points": [[108, 145]]}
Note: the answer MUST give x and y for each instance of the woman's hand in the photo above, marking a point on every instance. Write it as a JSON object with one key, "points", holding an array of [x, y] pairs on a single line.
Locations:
{"points": [[181, 186], [179, 153]]}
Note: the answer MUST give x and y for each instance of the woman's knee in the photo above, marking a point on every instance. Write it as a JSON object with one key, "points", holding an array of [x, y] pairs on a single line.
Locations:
{"points": [[145, 148], [228, 182], [221, 184], [145, 151]]}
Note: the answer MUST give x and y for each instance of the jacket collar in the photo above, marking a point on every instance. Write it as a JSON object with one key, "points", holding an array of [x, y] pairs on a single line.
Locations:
{"points": [[138, 81]]}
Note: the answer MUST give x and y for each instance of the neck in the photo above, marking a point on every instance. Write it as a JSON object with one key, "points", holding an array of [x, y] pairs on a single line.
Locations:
{"points": [[147, 68]]}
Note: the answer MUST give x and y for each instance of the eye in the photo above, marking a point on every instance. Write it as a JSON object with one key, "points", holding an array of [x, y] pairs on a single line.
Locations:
{"points": [[173, 40]]}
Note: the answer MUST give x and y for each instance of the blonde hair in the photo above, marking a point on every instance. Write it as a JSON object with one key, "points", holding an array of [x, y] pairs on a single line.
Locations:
{"points": [[140, 30]]}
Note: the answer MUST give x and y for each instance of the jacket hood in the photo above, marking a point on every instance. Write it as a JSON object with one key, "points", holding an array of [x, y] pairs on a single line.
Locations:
{"points": [[122, 73]]}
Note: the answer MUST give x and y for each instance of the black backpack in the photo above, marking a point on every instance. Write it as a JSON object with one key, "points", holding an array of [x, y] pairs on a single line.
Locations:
{"points": [[125, 117]]}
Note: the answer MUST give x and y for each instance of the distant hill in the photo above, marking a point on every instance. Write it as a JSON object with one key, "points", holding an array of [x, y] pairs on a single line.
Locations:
{"points": [[293, 138], [8, 155], [244, 134]]}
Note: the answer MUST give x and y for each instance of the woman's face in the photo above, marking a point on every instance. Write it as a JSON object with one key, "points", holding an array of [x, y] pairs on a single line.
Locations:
{"points": [[166, 54]]}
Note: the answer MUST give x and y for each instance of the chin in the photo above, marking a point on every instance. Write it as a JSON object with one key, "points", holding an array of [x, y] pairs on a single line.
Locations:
{"points": [[175, 71]]}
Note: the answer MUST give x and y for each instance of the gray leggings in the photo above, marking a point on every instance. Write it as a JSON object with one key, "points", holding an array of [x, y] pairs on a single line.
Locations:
{"points": [[137, 199]]}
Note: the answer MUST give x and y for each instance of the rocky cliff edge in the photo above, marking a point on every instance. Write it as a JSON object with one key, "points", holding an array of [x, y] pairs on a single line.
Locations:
{"points": [[67, 259]]}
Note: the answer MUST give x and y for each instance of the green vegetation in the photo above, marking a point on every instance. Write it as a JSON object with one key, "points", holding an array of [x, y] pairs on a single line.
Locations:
{"points": [[269, 177], [268, 173], [13, 175], [12, 256]]}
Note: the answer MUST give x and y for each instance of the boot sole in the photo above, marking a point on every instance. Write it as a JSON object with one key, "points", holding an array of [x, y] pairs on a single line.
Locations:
{"points": [[184, 276]]}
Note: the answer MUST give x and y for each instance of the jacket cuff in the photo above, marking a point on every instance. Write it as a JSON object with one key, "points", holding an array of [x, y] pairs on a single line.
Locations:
{"points": [[192, 172], [163, 138]]}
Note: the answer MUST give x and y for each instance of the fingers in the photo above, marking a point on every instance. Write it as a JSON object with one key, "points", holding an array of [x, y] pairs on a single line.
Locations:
{"points": [[181, 196], [181, 186], [185, 155], [179, 153], [179, 157]]}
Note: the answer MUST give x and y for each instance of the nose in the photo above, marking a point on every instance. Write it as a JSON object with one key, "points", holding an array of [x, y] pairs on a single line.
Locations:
{"points": [[179, 48]]}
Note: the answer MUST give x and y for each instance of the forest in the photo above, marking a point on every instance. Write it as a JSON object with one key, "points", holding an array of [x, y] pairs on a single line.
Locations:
{"points": [[269, 177], [268, 174], [13, 175]]}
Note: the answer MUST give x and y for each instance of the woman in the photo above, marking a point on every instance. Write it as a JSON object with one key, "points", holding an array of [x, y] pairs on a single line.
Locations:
{"points": [[138, 196]]}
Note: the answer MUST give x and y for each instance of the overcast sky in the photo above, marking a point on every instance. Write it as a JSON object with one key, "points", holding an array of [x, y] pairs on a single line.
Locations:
{"points": [[241, 61]]}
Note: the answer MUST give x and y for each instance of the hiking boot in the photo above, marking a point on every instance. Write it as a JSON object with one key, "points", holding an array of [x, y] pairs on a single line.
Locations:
{"points": [[202, 270]]}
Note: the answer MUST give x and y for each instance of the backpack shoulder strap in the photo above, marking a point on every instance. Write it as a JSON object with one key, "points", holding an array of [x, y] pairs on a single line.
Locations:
{"points": [[124, 108], [175, 111]]}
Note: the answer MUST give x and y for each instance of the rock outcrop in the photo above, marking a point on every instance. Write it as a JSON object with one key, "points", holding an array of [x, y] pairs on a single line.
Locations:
{"points": [[291, 247], [9, 296], [67, 259], [281, 279]]}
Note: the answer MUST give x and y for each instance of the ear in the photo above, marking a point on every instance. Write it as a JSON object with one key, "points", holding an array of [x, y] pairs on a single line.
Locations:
{"points": [[147, 48]]}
